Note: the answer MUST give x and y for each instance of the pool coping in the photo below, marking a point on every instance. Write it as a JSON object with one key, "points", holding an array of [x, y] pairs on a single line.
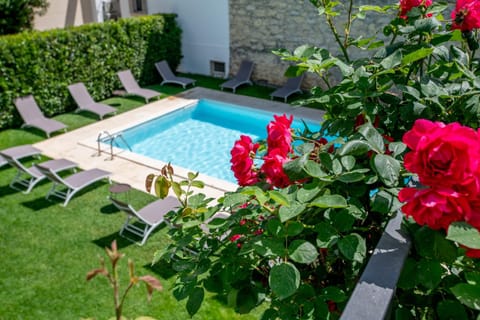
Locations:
{"points": [[81, 145]]}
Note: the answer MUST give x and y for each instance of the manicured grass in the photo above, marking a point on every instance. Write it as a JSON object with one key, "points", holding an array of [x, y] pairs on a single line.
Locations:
{"points": [[46, 249]]}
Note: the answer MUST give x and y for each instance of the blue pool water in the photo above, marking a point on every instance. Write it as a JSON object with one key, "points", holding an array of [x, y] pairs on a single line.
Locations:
{"points": [[200, 137]]}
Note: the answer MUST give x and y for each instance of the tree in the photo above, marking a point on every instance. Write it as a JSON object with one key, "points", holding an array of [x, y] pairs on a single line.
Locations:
{"points": [[17, 15]]}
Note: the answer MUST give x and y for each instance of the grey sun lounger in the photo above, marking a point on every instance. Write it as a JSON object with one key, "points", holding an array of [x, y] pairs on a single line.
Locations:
{"points": [[29, 177], [18, 152], [242, 77], [144, 221], [291, 86], [131, 86], [73, 183], [169, 77], [33, 116], [85, 101]]}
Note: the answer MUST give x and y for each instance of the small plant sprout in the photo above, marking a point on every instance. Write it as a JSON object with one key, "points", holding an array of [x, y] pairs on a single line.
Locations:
{"points": [[112, 275]]}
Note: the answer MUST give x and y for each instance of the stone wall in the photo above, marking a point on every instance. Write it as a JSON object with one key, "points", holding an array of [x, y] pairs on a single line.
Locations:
{"points": [[259, 26]]}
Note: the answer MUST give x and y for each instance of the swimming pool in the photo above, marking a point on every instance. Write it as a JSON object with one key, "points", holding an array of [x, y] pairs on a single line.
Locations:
{"points": [[199, 137]]}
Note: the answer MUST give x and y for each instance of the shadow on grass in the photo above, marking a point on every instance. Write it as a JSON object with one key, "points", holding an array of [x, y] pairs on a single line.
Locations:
{"points": [[6, 191], [41, 203], [109, 209], [161, 268], [106, 241]]}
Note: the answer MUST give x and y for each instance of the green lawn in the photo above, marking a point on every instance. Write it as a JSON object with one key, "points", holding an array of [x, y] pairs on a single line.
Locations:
{"points": [[46, 250]]}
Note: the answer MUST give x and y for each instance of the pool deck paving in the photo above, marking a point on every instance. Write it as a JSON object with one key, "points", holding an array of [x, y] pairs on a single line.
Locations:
{"points": [[81, 146]]}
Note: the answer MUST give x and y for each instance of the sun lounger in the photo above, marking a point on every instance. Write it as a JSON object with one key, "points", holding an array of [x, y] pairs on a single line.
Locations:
{"points": [[29, 177], [291, 86], [86, 103], [149, 217], [73, 183], [18, 152], [131, 86], [33, 116], [242, 77], [169, 77]]}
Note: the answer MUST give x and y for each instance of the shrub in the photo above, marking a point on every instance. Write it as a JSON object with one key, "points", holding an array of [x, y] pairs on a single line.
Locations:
{"points": [[303, 223], [45, 63]]}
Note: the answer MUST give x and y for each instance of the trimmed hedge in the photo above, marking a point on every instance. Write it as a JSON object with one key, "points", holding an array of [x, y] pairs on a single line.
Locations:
{"points": [[45, 63]]}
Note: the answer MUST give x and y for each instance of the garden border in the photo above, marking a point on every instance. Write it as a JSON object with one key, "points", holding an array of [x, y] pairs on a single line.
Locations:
{"points": [[371, 299]]}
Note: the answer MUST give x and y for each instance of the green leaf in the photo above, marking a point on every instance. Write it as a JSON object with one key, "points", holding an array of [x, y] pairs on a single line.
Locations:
{"points": [[353, 247], [247, 299], [383, 202], [337, 167], [344, 68], [351, 177], [407, 279], [162, 186], [372, 136], [392, 60], [286, 213], [314, 169], [464, 234], [177, 189], [198, 184], [304, 51], [284, 280], [451, 310], [192, 176], [293, 228], [183, 290], [348, 162], [432, 244], [278, 197], [235, 199], [426, 25], [329, 201], [342, 220], [275, 227], [195, 300], [269, 247], [467, 294], [269, 314], [403, 313], [333, 293], [429, 273], [354, 148], [302, 251], [308, 192], [473, 278], [326, 234], [416, 55], [388, 169], [397, 148]]}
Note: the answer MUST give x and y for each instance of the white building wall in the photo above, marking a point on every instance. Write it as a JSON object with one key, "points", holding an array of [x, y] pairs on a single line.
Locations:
{"points": [[205, 36]]}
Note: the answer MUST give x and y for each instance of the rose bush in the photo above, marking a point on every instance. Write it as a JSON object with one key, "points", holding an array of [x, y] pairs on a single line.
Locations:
{"points": [[309, 211]]}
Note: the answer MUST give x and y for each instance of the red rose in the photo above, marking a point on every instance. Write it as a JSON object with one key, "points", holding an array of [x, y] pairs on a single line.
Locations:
{"points": [[466, 15], [436, 208], [473, 216], [443, 155], [279, 134], [407, 5], [471, 253], [235, 237], [273, 168], [243, 153]]}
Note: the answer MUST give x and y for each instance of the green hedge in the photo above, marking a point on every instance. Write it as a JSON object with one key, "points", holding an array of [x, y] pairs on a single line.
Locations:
{"points": [[45, 63]]}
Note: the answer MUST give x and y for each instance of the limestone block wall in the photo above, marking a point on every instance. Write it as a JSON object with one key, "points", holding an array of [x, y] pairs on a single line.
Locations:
{"points": [[259, 26]]}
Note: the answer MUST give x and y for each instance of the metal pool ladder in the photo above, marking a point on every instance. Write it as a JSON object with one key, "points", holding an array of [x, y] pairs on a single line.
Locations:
{"points": [[105, 135]]}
